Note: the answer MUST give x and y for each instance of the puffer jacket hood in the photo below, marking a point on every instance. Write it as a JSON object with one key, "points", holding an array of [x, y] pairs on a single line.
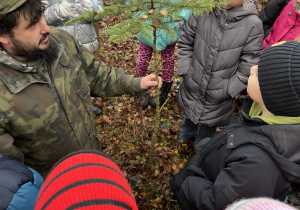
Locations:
{"points": [[237, 13]]}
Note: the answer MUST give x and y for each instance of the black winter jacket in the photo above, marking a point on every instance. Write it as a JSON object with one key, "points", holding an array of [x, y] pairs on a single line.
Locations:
{"points": [[242, 161], [270, 13]]}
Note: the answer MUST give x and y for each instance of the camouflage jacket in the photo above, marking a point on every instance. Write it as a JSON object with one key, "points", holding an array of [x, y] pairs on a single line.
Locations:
{"points": [[46, 114]]}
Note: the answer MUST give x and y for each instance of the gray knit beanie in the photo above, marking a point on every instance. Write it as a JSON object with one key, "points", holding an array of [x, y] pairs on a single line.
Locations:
{"points": [[279, 78]]}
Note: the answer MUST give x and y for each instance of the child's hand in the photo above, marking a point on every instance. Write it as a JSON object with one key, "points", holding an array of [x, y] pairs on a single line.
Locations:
{"points": [[150, 82]]}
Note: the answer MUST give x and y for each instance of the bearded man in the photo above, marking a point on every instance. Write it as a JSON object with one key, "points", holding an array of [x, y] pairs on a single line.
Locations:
{"points": [[46, 81]]}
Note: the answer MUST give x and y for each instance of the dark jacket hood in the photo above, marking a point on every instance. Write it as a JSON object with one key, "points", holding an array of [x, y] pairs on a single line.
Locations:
{"points": [[286, 141]]}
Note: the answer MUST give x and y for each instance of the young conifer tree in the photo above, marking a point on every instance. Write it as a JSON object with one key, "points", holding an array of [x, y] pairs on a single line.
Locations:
{"points": [[147, 17]]}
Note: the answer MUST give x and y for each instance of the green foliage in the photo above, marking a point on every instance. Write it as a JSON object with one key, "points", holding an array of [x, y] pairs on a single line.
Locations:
{"points": [[166, 144], [150, 15], [125, 29], [85, 17], [111, 130], [159, 195], [167, 121], [137, 159], [165, 108], [147, 16]]}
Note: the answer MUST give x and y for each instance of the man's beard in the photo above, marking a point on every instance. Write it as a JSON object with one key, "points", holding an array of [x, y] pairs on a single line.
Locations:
{"points": [[34, 53]]}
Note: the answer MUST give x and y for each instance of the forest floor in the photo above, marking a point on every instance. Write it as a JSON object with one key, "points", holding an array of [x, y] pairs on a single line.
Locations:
{"points": [[125, 130]]}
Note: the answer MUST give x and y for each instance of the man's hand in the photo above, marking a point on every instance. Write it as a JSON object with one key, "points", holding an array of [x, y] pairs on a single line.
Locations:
{"points": [[150, 82]]}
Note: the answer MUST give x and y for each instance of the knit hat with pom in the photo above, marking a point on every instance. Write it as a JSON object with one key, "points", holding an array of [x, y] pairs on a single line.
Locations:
{"points": [[279, 78], [87, 180], [259, 204]]}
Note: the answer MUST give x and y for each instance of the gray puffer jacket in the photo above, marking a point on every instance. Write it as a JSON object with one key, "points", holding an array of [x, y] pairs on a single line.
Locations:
{"points": [[83, 32], [216, 52]]}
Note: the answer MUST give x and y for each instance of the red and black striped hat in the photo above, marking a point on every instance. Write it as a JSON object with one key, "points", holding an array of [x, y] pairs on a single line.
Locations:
{"points": [[85, 180]]}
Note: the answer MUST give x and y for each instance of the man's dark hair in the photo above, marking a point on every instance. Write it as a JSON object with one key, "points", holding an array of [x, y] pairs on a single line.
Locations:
{"points": [[32, 10]]}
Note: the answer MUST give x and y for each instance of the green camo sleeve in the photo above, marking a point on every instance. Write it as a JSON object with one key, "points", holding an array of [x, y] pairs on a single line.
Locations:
{"points": [[108, 81], [7, 148]]}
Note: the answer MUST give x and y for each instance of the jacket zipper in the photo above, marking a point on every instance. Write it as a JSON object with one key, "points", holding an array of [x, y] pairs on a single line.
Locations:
{"points": [[52, 86]]}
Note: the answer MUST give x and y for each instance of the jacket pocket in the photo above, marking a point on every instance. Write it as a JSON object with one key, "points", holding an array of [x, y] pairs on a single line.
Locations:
{"points": [[184, 67], [217, 92], [84, 94], [80, 88], [79, 105], [190, 85], [225, 90]]}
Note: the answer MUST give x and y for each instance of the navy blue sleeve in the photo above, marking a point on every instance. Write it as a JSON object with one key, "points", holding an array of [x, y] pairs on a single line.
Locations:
{"points": [[13, 174]]}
